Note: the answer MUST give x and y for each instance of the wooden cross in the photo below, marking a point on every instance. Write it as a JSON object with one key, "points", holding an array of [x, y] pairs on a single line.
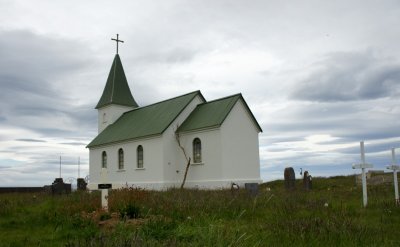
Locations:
{"points": [[363, 166], [395, 168], [117, 40], [104, 189]]}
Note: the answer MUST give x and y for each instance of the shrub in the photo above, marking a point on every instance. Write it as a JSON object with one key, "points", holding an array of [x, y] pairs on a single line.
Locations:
{"points": [[130, 211]]}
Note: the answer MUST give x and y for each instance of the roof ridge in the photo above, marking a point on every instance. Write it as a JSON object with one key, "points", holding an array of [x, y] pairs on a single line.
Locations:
{"points": [[220, 108], [226, 97], [142, 107]]}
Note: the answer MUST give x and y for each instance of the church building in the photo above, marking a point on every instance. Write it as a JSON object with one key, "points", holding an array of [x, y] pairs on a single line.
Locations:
{"points": [[145, 146]]}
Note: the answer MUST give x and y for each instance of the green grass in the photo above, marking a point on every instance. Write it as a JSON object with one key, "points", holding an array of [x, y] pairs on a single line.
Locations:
{"points": [[275, 217]]}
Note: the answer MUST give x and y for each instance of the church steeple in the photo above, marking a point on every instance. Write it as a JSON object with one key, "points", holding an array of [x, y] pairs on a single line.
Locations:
{"points": [[117, 89]]}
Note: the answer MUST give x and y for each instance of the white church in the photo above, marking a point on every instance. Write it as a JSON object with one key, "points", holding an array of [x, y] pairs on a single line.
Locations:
{"points": [[138, 146]]}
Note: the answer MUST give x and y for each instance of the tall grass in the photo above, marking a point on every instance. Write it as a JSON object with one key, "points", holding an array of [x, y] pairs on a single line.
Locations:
{"points": [[329, 215]]}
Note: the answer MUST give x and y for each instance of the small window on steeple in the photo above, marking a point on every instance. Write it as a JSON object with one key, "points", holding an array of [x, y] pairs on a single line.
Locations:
{"points": [[104, 117]]}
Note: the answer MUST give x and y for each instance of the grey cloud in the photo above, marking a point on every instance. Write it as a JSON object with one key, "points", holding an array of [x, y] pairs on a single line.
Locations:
{"points": [[74, 143], [350, 77], [54, 132], [30, 140], [370, 148], [174, 55], [29, 68]]}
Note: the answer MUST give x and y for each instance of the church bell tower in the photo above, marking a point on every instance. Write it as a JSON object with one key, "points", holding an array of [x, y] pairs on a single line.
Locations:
{"points": [[117, 97]]}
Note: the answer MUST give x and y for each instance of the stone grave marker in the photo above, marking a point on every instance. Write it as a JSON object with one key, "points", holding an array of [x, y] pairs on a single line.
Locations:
{"points": [[290, 178], [81, 184], [58, 187], [307, 181], [252, 188]]}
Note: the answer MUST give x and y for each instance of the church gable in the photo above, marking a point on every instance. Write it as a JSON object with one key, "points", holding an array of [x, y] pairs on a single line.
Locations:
{"points": [[213, 113], [145, 121]]}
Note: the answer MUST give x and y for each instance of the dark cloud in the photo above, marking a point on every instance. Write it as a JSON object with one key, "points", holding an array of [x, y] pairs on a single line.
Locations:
{"points": [[30, 140], [350, 77], [31, 68]]}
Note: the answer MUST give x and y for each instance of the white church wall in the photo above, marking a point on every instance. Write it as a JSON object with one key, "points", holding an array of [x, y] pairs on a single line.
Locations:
{"points": [[173, 158], [109, 114], [150, 176], [208, 173], [240, 147]]}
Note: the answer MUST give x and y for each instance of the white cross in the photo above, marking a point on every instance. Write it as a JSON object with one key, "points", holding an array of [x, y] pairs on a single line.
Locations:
{"points": [[104, 192], [395, 167], [363, 166]]}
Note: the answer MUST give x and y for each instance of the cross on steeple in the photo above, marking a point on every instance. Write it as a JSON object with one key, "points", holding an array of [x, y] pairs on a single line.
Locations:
{"points": [[117, 40]]}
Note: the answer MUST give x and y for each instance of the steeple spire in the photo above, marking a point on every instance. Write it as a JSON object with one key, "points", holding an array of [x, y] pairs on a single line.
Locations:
{"points": [[117, 89]]}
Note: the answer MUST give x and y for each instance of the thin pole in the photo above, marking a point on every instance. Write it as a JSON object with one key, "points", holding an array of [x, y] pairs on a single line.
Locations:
{"points": [[79, 167], [396, 186], [60, 166], [363, 175]]}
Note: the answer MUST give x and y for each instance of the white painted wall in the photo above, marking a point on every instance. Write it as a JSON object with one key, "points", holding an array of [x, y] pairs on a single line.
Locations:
{"points": [[208, 173], [173, 158], [152, 171], [109, 114], [240, 148]]}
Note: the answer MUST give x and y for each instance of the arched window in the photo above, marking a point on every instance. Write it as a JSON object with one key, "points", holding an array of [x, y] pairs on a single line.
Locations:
{"points": [[121, 159], [139, 153], [196, 150], [104, 160]]}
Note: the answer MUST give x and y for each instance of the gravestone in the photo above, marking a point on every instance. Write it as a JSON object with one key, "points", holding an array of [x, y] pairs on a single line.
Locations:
{"points": [[252, 188], [290, 178], [81, 184], [307, 181], [58, 187]]}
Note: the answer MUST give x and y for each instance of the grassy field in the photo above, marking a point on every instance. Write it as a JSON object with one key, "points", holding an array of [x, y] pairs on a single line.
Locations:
{"points": [[329, 215]]}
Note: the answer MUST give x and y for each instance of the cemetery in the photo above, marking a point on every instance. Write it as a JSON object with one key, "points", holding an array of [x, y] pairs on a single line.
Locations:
{"points": [[330, 213]]}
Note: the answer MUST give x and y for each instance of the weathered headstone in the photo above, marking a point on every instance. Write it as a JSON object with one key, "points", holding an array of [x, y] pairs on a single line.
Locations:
{"points": [[58, 187], [363, 166], [307, 181], [290, 178], [394, 167], [81, 184], [252, 188]]}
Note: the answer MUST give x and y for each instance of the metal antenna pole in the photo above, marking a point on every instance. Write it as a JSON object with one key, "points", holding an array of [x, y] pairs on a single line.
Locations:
{"points": [[60, 166], [79, 167]]}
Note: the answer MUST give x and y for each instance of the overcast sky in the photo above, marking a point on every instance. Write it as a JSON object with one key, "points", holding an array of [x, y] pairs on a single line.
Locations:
{"points": [[319, 76]]}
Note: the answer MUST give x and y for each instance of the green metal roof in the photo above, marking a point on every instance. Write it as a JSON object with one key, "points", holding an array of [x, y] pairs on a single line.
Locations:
{"points": [[212, 114], [144, 121], [117, 89]]}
